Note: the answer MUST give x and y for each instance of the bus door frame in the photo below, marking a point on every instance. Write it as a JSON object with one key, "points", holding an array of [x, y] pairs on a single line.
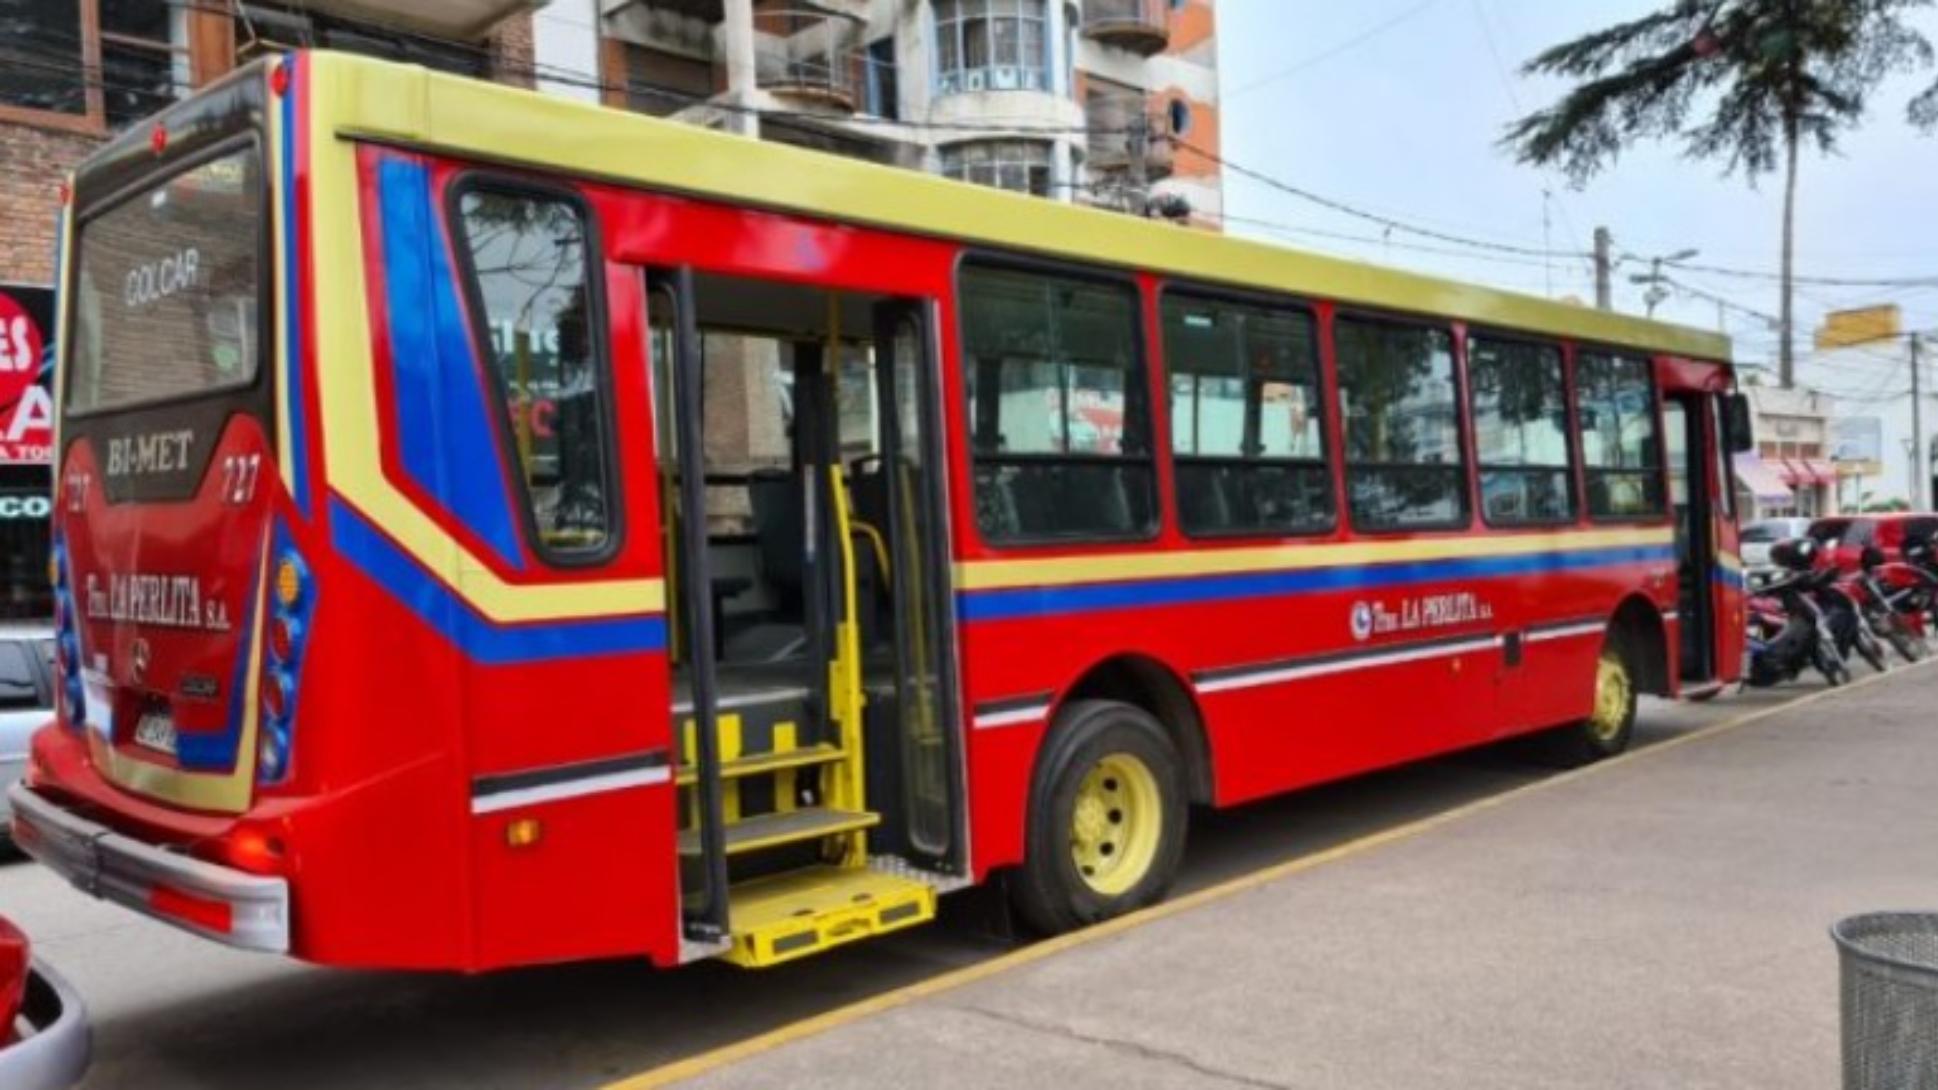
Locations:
{"points": [[1703, 390]]}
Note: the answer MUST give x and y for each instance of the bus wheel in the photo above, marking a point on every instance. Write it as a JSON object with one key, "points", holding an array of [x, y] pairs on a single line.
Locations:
{"points": [[1611, 720], [1107, 818]]}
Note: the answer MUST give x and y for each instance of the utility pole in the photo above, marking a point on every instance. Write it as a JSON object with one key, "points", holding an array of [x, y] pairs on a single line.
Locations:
{"points": [[1920, 457], [1604, 299]]}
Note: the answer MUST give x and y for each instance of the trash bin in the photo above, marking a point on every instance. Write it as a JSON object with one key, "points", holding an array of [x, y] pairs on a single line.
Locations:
{"points": [[1888, 966]]}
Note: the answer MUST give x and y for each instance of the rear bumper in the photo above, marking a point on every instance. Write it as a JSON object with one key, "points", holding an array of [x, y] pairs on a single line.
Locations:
{"points": [[56, 1053], [250, 911]]}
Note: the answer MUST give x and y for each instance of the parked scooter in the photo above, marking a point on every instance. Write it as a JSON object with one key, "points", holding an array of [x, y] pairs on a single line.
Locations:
{"points": [[1789, 630], [1894, 600]]}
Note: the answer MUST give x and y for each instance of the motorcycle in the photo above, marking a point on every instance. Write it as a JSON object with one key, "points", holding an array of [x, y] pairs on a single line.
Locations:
{"points": [[1894, 601], [1789, 628]]}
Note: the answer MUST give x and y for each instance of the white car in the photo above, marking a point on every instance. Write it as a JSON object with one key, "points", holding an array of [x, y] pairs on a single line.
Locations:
{"points": [[26, 701], [1758, 536]]}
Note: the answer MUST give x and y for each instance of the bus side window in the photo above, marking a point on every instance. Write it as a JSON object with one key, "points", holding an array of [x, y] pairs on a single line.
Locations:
{"points": [[1401, 412], [1519, 400], [1057, 404], [529, 260], [1247, 426], [1621, 452]]}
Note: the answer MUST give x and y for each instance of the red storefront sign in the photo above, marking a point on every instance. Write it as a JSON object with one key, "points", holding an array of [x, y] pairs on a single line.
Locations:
{"points": [[26, 368]]}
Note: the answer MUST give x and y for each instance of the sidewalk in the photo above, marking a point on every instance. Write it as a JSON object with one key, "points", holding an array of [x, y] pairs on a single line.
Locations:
{"points": [[1656, 923]]}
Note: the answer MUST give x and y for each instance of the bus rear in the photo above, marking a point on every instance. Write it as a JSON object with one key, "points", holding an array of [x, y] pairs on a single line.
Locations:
{"points": [[165, 568]]}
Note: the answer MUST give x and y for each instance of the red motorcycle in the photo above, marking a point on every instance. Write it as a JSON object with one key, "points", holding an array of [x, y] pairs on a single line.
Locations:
{"points": [[1895, 599]]}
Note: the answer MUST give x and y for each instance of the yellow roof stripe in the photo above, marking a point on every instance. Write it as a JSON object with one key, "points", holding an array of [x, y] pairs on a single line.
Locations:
{"points": [[389, 102]]}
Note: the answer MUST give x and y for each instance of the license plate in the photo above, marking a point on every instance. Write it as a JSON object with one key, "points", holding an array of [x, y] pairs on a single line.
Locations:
{"points": [[156, 730]]}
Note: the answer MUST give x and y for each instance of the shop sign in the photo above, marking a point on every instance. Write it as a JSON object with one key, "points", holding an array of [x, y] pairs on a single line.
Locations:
{"points": [[26, 369]]}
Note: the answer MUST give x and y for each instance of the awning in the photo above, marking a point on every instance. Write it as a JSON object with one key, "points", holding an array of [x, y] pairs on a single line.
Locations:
{"points": [[1821, 471], [1764, 480]]}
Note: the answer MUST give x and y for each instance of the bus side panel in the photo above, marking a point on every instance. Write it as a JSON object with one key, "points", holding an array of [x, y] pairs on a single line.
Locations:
{"points": [[543, 691]]}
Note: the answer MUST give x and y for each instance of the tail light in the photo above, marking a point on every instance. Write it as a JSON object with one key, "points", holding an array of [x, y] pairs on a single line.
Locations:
{"points": [[67, 640], [286, 629]]}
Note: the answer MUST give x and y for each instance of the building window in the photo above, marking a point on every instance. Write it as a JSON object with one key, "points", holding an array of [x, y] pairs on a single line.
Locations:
{"points": [[1019, 165], [883, 94], [1401, 413], [1060, 429], [528, 261], [1247, 430], [991, 45], [1520, 411], [660, 82], [1621, 446], [92, 62]]}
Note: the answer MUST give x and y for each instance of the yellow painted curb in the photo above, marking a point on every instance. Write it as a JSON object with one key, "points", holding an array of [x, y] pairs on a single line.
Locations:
{"points": [[713, 1060]]}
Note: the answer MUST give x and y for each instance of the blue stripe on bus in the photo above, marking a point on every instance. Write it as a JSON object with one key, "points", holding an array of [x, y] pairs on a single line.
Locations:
{"points": [[1730, 577], [478, 637], [445, 435], [293, 301], [1020, 602]]}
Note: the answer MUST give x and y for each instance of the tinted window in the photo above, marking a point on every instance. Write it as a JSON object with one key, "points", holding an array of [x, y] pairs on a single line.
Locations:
{"points": [[528, 253], [1402, 420], [1057, 407], [166, 288], [1620, 438], [1520, 413], [1246, 418]]}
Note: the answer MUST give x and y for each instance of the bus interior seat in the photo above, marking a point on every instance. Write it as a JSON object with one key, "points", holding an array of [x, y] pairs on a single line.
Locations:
{"points": [[1202, 500]]}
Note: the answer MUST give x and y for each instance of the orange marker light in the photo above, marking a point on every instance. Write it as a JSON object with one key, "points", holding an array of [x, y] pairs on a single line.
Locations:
{"points": [[523, 832], [158, 139]]}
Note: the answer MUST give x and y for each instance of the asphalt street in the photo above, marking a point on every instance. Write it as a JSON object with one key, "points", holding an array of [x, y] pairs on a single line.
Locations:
{"points": [[171, 1010]]}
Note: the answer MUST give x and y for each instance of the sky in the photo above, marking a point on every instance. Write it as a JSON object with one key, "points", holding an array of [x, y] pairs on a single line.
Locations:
{"points": [[1396, 106]]}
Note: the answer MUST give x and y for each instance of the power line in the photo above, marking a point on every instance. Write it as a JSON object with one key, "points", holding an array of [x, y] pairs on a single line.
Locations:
{"points": [[1330, 52]]}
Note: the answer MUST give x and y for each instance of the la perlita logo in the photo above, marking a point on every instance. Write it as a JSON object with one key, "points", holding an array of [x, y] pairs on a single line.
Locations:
{"points": [[26, 407]]}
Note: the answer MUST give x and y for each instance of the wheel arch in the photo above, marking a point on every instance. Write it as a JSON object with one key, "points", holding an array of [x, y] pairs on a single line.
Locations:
{"points": [[1639, 623], [1145, 682]]}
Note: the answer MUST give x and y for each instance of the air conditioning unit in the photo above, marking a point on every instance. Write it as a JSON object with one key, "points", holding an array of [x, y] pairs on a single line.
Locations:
{"points": [[1034, 79], [974, 81], [1004, 79]]}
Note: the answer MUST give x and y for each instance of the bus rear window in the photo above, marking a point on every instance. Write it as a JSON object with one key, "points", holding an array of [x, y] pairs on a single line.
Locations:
{"points": [[167, 287]]}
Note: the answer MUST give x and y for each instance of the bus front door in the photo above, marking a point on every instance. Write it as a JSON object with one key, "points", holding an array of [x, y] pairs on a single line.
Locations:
{"points": [[1708, 610]]}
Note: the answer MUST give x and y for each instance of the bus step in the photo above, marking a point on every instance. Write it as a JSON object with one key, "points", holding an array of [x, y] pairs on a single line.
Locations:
{"points": [[760, 763], [752, 834], [789, 916]]}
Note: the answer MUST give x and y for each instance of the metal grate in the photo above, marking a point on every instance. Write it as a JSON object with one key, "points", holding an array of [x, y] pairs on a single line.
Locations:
{"points": [[1889, 973]]}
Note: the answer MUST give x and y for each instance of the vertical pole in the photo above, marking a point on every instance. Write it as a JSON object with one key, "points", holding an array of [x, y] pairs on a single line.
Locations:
{"points": [[1920, 457], [1140, 149], [1603, 298], [711, 923]]}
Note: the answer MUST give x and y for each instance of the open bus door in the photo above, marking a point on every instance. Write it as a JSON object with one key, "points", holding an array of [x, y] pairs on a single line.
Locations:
{"points": [[812, 661], [1700, 429]]}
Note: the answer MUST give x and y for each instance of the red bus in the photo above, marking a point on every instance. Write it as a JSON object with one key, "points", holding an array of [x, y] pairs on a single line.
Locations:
{"points": [[493, 529]]}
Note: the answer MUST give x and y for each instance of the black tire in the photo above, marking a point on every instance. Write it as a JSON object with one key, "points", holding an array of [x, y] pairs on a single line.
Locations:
{"points": [[1049, 892], [1872, 651], [1904, 641], [1835, 671]]}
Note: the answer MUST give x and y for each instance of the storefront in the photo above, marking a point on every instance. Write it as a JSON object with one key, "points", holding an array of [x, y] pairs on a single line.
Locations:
{"points": [[26, 450]]}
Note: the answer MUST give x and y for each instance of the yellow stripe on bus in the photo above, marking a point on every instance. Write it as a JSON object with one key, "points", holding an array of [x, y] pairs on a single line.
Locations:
{"points": [[393, 103], [1071, 570]]}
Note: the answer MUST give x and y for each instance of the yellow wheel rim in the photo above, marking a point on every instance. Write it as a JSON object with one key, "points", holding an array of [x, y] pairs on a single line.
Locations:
{"points": [[1116, 824], [1612, 690]]}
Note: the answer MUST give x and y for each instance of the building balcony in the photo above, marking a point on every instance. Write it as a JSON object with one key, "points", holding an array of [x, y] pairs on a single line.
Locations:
{"points": [[1117, 127], [462, 20], [809, 55], [1140, 26]]}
